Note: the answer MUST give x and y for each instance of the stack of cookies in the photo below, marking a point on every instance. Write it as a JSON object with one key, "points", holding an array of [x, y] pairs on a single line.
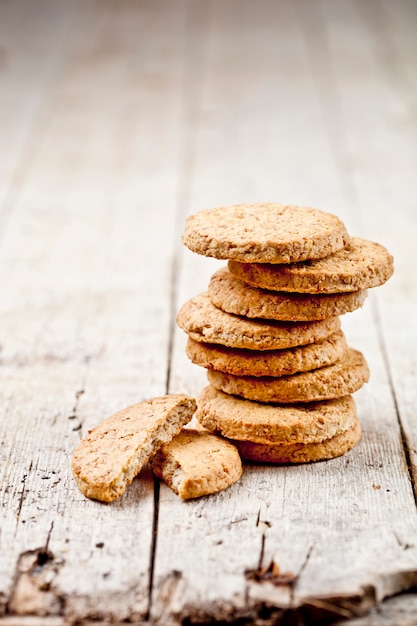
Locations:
{"points": [[268, 330]]}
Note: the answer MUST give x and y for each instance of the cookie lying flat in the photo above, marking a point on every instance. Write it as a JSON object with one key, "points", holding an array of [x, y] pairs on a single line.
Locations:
{"points": [[234, 296], [268, 362], [361, 265], [235, 418], [204, 322], [264, 233], [112, 454], [196, 464], [334, 381], [299, 452]]}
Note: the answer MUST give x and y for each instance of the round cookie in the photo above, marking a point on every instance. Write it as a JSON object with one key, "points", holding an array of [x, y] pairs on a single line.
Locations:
{"points": [[234, 296], [196, 464], [203, 321], [300, 452], [334, 381], [264, 233], [245, 420], [268, 362], [361, 265]]}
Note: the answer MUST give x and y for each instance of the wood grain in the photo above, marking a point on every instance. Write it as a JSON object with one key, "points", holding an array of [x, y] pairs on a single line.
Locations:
{"points": [[85, 328], [118, 120], [295, 517], [384, 163]]}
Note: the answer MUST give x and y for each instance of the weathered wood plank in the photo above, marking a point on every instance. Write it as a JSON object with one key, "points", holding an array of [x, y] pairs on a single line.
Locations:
{"points": [[334, 525], [136, 114], [25, 85], [85, 325], [380, 133]]}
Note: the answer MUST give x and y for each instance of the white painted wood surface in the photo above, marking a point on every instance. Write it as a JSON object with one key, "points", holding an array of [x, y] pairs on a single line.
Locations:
{"points": [[118, 119]]}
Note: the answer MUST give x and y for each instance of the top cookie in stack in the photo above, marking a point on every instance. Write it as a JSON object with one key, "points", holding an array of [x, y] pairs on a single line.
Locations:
{"points": [[265, 233], [268, 328]]}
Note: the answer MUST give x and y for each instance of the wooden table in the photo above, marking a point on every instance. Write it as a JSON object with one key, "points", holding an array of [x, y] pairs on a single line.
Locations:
{"points": [[118, 119]]}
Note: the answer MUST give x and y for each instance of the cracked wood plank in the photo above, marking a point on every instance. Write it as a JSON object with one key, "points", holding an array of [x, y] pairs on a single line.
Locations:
{"points": [[401, 609], [86, 321], [332, 530]]}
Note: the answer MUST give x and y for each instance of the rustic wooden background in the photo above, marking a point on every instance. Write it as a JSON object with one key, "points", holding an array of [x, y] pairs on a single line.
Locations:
{"points": [[116, 120]]}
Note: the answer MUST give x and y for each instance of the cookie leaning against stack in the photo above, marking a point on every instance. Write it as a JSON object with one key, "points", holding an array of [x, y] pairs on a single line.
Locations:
{"points": [[268, 329]]}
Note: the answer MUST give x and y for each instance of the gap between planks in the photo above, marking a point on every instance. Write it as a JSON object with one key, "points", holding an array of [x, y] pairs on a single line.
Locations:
{"points": [[197, 27]]}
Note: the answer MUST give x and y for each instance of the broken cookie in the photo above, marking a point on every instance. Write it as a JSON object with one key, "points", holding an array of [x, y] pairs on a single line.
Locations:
{"points": [[197, 464], [107, 460]]}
